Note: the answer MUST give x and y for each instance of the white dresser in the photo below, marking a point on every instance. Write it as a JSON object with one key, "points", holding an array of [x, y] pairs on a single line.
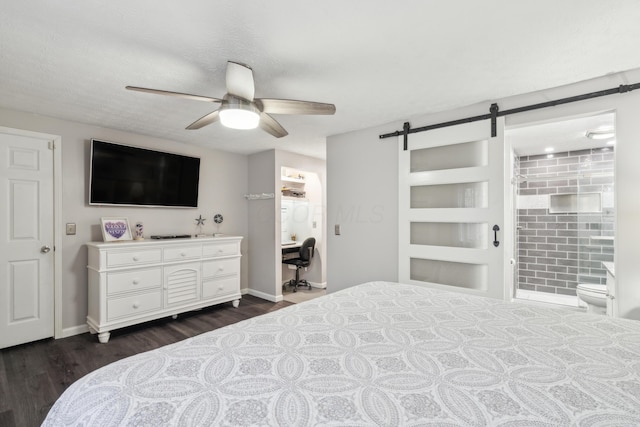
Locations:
{"points": [[137, 281]]}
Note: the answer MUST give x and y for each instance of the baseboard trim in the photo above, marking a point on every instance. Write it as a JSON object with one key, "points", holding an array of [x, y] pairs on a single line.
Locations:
{"points": [[263, 295], [74, 330], [322, 285]]}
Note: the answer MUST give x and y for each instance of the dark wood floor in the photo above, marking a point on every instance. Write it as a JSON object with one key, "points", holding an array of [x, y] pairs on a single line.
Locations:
{"points": [[34, 375]]}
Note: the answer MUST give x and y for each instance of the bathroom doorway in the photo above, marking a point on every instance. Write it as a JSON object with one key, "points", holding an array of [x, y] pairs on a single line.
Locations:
{"points": [[562, 185]]}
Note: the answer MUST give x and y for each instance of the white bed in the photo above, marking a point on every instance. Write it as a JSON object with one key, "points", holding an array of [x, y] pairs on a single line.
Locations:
{"points": [[378, 354]]}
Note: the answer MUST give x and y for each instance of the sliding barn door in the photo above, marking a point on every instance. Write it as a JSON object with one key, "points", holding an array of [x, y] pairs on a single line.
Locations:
{"points": [[451, 199]]}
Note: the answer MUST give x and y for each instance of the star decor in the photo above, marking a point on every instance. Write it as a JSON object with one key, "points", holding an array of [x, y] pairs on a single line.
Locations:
{"points": [[200, 220]]}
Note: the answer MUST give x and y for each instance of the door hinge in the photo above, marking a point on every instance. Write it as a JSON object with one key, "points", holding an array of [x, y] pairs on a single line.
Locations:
{"points": [[52, 145]]}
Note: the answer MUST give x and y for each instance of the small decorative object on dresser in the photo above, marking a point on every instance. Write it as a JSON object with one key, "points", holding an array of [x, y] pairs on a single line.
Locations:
{"points": [[115, 229], [139, 233], [217, 218], [199, 224]]}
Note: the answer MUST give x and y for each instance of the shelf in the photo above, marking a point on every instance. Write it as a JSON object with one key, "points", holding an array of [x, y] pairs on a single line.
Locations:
{"points": [[291, 179], [297, 199]]}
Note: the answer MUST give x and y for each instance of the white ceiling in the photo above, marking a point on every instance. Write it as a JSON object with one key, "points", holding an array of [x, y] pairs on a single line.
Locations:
{"points": [[560, 136], [378, 61]]}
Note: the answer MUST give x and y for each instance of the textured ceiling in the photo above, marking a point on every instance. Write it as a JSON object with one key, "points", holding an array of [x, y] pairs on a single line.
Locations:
{"points": [[377, 60], [563, 135]]}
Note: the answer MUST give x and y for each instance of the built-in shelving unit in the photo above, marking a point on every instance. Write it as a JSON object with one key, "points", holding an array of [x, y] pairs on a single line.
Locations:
{"points": [[292, 184]]}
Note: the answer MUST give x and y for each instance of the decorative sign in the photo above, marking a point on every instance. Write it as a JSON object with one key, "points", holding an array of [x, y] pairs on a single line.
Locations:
{"points": [[115, 229]]}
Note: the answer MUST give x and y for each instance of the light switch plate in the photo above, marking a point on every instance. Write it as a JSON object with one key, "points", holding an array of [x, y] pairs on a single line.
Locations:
{"points": [[71, 229], [337, 229]]}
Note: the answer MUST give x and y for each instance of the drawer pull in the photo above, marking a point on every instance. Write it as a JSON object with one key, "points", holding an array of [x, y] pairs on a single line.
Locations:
{"points": [[183, 254], [135, 258], [136, 304], [221, 269], [220, 288], [136, 281]]}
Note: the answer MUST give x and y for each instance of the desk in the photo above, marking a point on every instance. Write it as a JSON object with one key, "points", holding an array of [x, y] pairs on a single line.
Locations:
{"points": [[291, 250]]}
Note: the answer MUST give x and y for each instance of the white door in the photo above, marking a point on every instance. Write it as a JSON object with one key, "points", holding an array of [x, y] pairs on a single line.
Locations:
{"points": [[26, 239], [452, 221]]}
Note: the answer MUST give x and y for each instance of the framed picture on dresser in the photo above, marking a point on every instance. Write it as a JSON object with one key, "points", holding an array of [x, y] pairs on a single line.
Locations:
{"points": [[115, 229]]}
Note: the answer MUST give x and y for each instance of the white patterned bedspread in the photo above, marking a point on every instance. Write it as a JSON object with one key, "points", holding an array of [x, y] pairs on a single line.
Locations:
{"points": [[378, 354]]}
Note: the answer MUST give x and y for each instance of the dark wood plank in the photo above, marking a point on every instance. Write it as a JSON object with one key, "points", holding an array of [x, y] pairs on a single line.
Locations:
{"points": [[34, 375]]}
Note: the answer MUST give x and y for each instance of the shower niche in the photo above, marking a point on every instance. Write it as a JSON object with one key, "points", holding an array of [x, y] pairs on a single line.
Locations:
{"points": [[575, 203]]}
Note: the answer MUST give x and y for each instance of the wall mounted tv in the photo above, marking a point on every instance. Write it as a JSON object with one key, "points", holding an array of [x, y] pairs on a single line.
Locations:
{"points": [[131, 176]]}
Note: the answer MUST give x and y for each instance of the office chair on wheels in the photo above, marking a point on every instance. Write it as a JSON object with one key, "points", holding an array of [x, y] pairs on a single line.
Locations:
{"points": [[304, 260]]}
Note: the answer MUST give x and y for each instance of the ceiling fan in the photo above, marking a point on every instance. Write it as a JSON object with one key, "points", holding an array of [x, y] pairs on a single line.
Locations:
{"points": [[240, 110]]}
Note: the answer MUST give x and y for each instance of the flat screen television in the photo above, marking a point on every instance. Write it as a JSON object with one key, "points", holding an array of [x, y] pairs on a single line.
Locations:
{"points": [[132, 176]]}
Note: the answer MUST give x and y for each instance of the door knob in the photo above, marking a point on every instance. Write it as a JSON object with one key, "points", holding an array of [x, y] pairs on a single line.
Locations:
{"points": [[45, 249]]}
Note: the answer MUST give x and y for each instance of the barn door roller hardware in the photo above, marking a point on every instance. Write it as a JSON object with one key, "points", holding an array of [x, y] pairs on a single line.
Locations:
{"points": [[494, 112]]}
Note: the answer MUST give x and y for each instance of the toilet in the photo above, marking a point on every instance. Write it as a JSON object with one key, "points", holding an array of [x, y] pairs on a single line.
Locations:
{"points": [[595, 296]]}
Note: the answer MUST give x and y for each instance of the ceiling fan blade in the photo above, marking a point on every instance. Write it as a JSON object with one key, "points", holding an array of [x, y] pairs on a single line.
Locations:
{"points": [[291, 106], [240, 80], [176, 94], [207, 119], [270, 125]]}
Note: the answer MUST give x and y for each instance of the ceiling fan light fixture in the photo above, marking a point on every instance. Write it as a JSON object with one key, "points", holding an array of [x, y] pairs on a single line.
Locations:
{"points": [[236, 113]]}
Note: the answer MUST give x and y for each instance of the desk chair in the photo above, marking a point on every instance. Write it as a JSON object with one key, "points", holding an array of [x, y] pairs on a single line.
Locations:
{"points": [[304, 260]]}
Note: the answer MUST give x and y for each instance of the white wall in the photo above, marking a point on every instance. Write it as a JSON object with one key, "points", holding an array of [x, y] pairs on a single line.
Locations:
{"points": [[223, 181], [362, 197], [262, 229], [362, 185]]}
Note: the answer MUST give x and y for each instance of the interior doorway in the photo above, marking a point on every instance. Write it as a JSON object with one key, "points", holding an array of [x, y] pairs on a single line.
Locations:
{"points": [[301, 217], [562, 181]]}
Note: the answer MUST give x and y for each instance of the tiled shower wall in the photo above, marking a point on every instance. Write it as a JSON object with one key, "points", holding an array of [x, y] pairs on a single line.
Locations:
{"points": [[556, 251]]}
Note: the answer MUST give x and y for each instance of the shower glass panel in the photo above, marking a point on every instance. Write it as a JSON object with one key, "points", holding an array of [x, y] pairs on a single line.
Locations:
{"points": [[462, 195], [464, 155], [595, 228], [451, 234], [462, 275]]}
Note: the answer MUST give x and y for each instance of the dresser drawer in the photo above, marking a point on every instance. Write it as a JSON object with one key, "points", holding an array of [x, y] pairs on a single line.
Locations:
{"points": [[128, 281], [221, 249], [222, 267], [127, 258], [133, 305], [182, 252], [219, 287]]}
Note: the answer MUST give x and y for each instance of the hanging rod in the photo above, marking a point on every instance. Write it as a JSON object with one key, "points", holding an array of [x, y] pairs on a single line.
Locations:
{"points": [[494, 112]]}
